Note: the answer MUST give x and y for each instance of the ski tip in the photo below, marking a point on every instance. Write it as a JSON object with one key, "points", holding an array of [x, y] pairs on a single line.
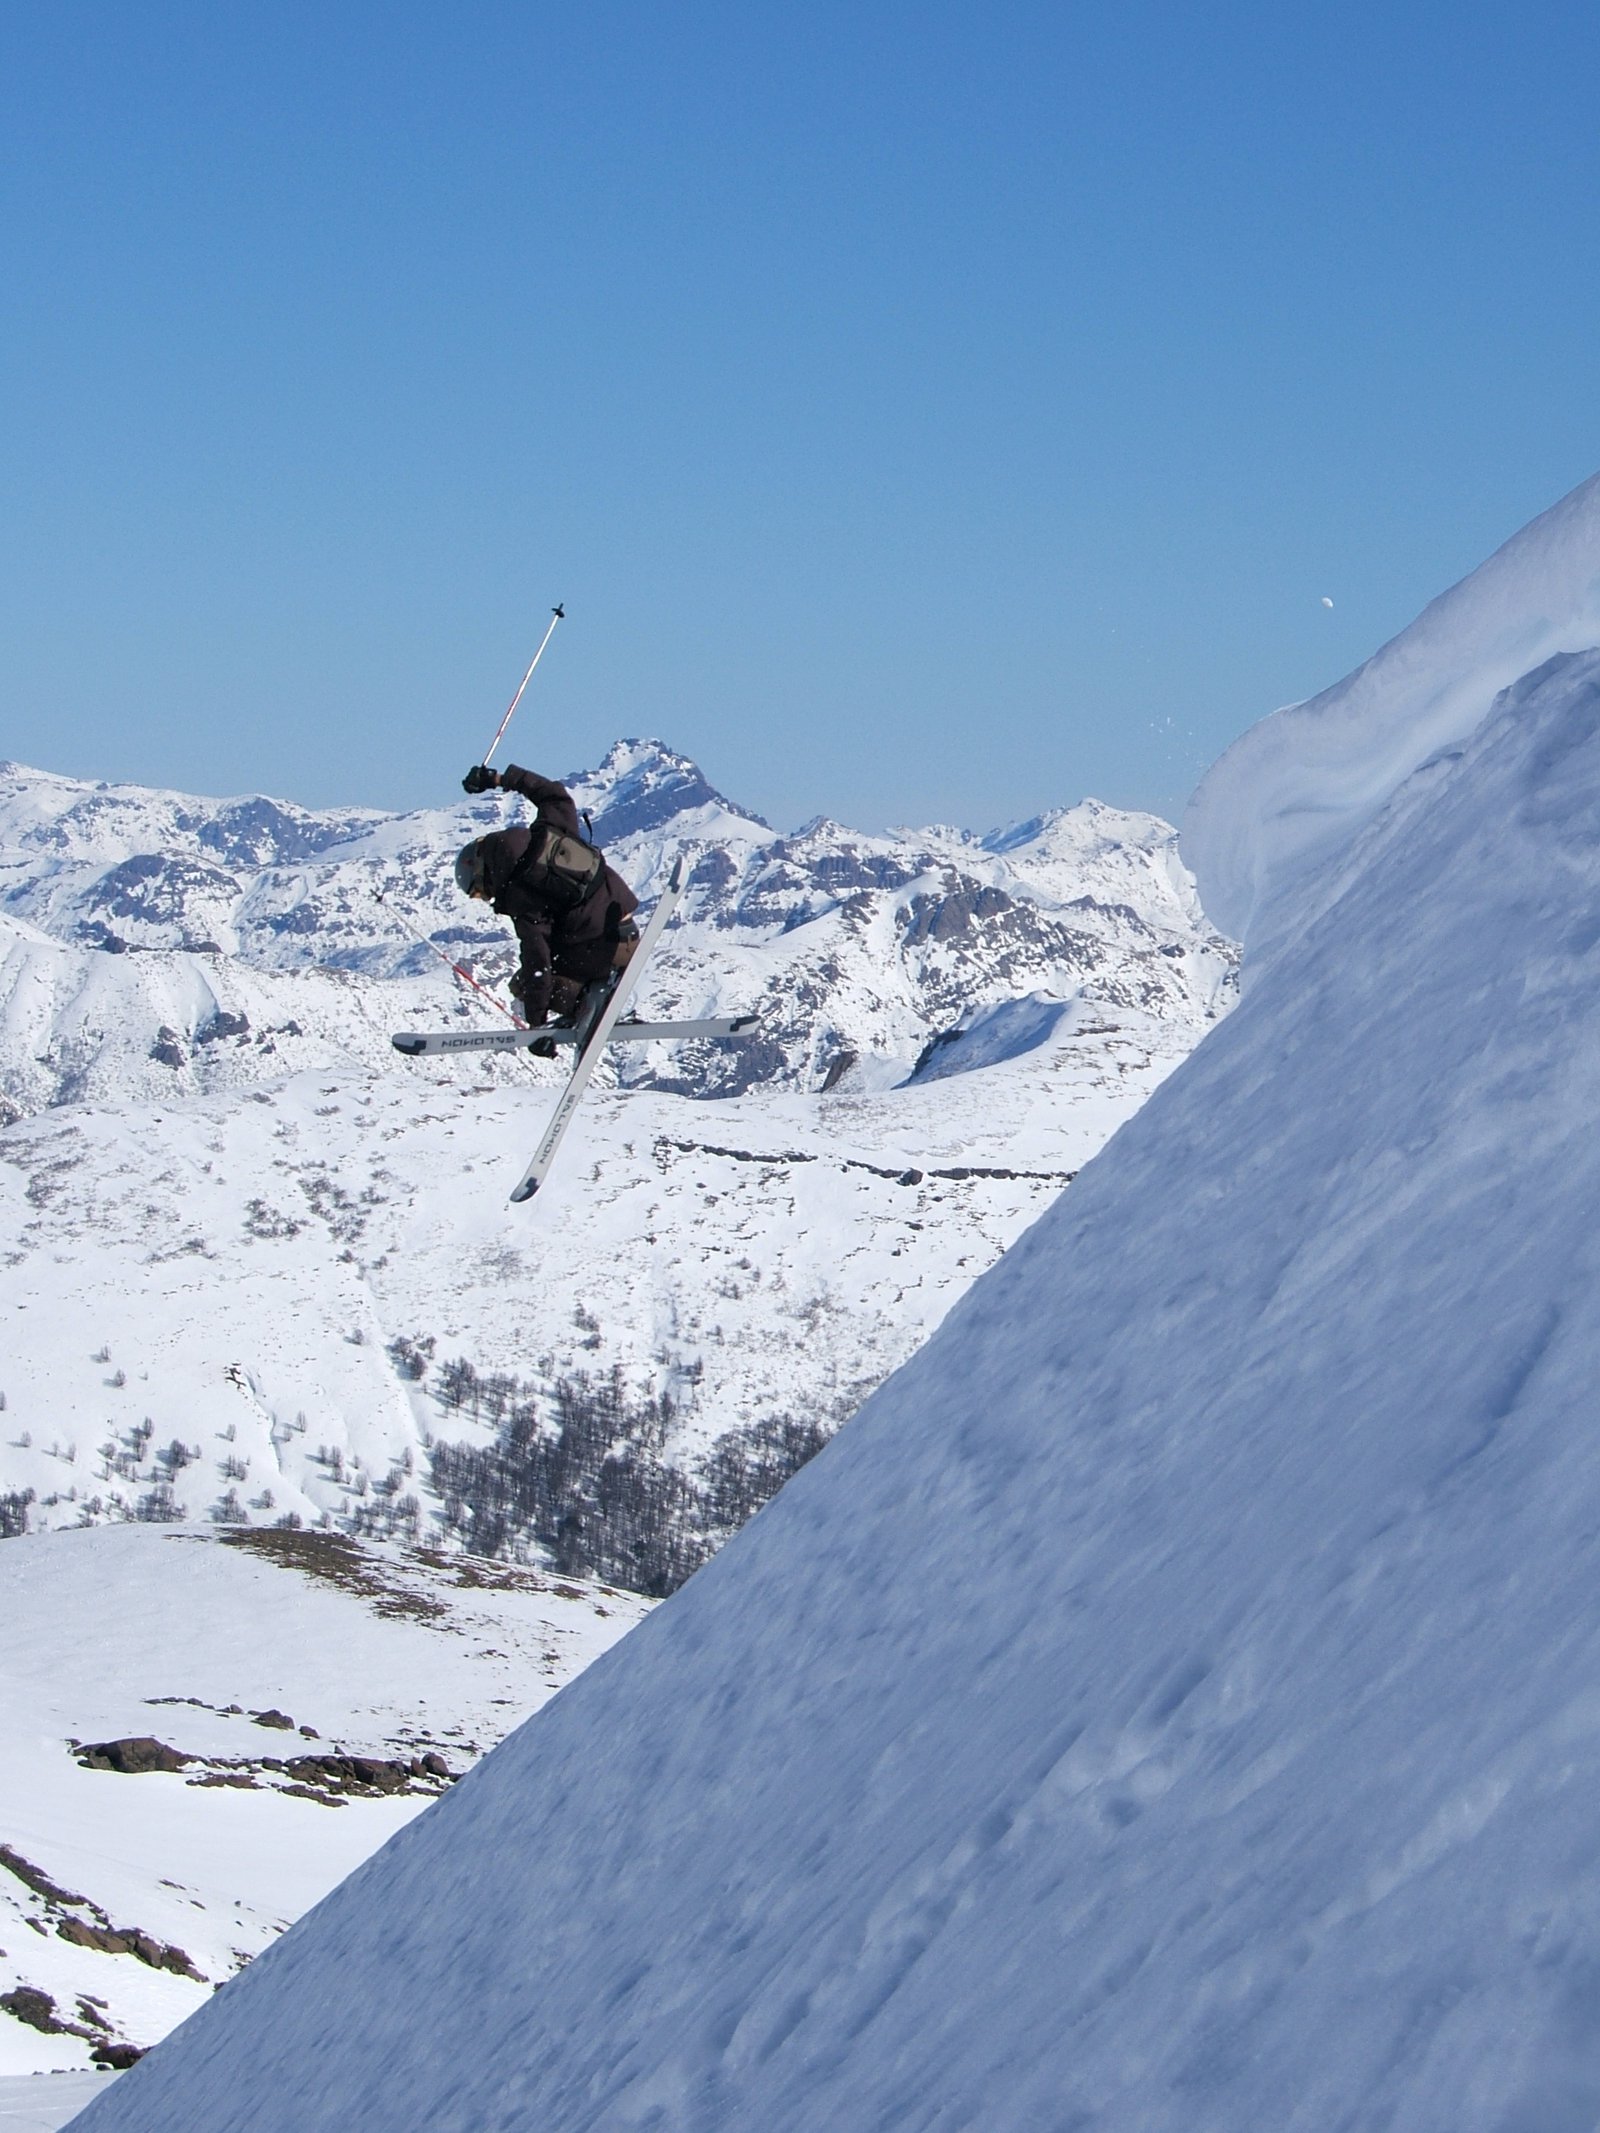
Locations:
{"points": [[524, 1191], [408, 1042]]}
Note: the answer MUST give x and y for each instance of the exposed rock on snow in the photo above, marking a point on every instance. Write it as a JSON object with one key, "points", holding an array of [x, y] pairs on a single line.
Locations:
{"points": [[144, 1868]]}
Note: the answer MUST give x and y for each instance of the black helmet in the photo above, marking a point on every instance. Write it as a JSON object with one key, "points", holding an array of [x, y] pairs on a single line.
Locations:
{"points": [[472, 870]]}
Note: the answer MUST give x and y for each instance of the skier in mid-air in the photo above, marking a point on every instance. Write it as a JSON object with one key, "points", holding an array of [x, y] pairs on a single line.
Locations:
{"points": [[582, 954], [572, 912]]}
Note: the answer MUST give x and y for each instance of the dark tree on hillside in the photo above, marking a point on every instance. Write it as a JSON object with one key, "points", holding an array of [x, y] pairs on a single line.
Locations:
{"points": [[577, 1471], [14, 1513]]}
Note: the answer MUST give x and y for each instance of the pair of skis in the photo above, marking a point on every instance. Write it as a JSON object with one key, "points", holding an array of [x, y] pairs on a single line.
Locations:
{"points": [[598, 1023]]}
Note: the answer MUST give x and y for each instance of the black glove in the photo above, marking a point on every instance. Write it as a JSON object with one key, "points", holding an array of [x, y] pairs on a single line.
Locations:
{"points": [[480, 778]]}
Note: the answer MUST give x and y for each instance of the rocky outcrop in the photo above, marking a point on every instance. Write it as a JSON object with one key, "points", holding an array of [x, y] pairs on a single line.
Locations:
{"points": [[83, 1924], [134, 1757], [128, 1940], [367, 1774], [332, 1773]]}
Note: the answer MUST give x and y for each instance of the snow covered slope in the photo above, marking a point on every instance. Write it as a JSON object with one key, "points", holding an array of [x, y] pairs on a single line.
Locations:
{"points": [[1173, 1702], [276, 1285], [270, 1662], [42, 2103], [1295, 790]]}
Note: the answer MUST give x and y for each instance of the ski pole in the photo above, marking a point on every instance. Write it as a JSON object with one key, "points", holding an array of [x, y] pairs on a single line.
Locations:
{"points": [[417, 934], [557, 614]]}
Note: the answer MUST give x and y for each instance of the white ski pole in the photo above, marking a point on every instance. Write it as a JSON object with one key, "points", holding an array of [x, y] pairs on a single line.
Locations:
{"points": [[557, 614], [417, 934]]}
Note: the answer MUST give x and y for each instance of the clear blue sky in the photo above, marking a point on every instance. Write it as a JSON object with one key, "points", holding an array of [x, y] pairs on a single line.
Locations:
{"points": [[926, 412]]}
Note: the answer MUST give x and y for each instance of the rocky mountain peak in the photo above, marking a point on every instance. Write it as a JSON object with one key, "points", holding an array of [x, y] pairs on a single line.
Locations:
{"points": [[643, 785]]}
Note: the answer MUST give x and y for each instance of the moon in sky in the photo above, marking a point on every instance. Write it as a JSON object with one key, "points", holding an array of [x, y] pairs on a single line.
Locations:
{"points": [[1326, 601]]}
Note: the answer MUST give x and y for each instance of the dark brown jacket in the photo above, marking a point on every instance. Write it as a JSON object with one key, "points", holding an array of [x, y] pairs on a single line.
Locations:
{"points": [[575, 942]]}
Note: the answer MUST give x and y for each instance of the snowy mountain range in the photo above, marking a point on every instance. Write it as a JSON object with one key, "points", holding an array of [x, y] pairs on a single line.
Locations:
{"points": [[203, 944], [1172, 1701], [247, 1242]]}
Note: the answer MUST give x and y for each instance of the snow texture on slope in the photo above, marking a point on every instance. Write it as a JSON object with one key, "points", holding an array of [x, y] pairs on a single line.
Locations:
{"points": [[233, 1273], [1173, 1702], [41, 2103], [1294, 791]]}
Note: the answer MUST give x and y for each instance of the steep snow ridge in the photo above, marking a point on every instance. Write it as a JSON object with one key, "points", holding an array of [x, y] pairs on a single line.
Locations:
{"points": [[1171, 1702], [1285, 799]]}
